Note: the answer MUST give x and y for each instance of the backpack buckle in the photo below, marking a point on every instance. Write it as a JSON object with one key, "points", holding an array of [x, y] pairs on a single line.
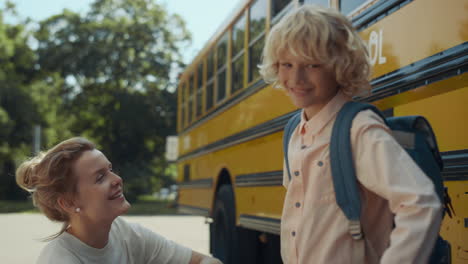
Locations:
{"points": [[355, 230]]}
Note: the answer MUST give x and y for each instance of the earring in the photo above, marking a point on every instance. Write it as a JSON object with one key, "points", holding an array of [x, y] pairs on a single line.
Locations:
{"points": [[77, 209]]}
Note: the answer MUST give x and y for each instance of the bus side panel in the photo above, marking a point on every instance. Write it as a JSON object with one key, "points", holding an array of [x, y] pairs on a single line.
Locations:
{"points": [[418, 30], [447, 114]]}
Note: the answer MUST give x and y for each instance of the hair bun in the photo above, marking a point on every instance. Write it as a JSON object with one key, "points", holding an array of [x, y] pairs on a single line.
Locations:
{"points": [[26, 177]]}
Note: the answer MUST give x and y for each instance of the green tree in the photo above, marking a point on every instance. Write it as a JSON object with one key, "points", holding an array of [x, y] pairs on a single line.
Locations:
{"points": [[25, 97], [117, 60]]}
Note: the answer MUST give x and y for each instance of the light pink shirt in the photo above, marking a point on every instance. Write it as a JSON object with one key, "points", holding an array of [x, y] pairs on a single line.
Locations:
{"points": [[394, 190]]}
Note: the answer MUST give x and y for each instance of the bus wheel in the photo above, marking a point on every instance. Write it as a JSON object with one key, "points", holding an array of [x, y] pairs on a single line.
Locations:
{"points": [[225, 246]]}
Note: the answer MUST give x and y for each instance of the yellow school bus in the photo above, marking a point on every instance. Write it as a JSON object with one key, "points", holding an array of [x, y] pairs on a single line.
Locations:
{"points": [[230, 122]]}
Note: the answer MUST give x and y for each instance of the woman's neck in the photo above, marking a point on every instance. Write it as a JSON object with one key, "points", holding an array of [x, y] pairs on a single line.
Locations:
{"points": [[92, 234]]}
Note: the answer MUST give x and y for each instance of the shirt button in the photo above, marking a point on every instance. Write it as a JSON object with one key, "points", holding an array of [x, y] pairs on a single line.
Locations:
{"points": [[298, 204], [293, 233], [320, 163], [296, 173]]}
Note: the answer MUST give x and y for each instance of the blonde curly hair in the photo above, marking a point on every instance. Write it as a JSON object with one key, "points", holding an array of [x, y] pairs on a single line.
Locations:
{"points": [[319, 34]]}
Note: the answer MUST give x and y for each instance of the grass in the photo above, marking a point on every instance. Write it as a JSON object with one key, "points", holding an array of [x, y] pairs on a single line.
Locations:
{"points": [[145, 205], [17, 207]]}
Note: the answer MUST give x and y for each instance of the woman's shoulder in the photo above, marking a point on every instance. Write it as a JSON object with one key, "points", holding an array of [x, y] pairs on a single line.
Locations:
{"points": [[56, 251]]}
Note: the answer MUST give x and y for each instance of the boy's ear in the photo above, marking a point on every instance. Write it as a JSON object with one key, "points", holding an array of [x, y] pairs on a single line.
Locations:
{"points": [[66, 204]]}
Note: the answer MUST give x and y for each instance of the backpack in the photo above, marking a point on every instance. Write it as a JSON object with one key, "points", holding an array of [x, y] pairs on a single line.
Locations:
{"points": [[414, 134]]}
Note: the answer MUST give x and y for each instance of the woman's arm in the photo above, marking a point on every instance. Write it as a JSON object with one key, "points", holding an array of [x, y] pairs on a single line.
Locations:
{"points": [[198, 258]]}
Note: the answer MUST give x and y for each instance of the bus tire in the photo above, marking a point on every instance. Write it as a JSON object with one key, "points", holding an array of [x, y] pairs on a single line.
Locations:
{"points": [[225, 242]]}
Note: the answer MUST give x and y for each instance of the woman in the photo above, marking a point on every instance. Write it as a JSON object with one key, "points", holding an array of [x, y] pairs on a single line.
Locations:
{"points": [[74, 183]]}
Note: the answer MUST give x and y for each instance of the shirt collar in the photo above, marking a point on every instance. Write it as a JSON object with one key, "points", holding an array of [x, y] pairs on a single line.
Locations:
{"points": [[327, 113]]}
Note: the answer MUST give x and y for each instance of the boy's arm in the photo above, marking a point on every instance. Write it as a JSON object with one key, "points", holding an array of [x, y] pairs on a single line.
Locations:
{"points": [[384, 167]]}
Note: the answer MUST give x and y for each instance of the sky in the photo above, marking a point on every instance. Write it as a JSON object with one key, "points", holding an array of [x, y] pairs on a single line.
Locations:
{"points": [[203, 17]]}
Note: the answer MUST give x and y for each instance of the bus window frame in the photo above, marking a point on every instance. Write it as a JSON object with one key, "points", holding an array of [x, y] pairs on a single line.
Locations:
{"points": [[199, 107], [330, 2], [223, 69], [185, 117], [277, 17], [211, 80], [252, 41], [240, 55], [364, 5], [180, 106], [191, 95]]}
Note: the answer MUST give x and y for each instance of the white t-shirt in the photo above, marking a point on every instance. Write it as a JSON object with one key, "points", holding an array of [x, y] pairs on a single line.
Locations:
{"points": [[129, 243]]}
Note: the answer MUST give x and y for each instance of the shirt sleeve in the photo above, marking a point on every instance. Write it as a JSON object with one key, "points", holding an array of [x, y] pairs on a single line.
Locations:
{"points": [[384, 167], [159, 250]]}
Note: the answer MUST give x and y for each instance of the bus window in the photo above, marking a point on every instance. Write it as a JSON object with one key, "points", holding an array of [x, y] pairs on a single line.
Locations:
{"points": [[210, 77], [221, 85], [238, 73], [257, 19], [255, 52], [210, 66], [200, 75], [182, 119], [256, 36], [277, 6], [347, 6], [324, 3], [184, 104], [222, 51], [199, 90], [186, 172], [221, 62], [238, 37], [181, 104], [191, 95], [209, 95]]}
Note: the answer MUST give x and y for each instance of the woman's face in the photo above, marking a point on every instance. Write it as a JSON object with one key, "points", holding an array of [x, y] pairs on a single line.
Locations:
{"points": [[100, 191]]}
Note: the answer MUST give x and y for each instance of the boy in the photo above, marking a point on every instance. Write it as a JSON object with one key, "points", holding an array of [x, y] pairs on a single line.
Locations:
{"points": [[316, 56]]}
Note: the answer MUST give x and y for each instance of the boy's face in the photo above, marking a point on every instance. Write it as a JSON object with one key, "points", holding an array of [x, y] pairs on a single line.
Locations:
{"points": [[309, 84]]}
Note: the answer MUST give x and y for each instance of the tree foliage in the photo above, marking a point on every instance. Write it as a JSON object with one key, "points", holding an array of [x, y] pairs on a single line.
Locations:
{"points": [[19, 109], [105, 75]]}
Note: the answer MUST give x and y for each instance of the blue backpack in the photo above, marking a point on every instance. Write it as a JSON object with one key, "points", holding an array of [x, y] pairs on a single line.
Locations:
{"points": [[415, 135]]}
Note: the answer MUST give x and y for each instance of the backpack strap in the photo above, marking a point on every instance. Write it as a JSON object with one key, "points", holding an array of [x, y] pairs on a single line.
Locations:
{"points": [[342, 165], [288, 130]]}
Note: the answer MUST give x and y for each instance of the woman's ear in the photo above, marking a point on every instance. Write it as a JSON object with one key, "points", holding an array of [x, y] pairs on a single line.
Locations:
{"points": [[66, 205]]}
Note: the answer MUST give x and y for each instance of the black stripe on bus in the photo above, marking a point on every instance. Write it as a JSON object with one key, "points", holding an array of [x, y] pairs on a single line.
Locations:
{"points": [[193, 210], [455, 165], [263, 224], [269, 178], [438, 67], [376, 12], [267, 128], [201, 183]]}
